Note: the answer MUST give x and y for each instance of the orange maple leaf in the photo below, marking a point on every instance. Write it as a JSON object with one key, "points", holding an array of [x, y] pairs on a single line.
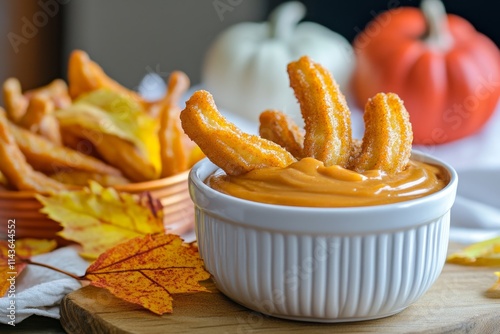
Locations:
{"points": [[12, 255], [99, 218], [148, 270]]}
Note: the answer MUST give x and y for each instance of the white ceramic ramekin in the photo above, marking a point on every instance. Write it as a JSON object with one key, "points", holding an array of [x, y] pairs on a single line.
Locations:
{"points": [[322, 264]]}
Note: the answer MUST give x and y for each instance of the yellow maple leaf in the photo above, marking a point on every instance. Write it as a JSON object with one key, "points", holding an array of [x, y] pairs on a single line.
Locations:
{"points": [[99, 218], [485, 253], [119, 115], [148, 270], [12, 253], [496, 286], [28, 247]]}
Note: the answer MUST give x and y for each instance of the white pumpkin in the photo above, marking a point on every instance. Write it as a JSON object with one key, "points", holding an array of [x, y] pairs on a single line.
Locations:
{"points": [[245, 69]]}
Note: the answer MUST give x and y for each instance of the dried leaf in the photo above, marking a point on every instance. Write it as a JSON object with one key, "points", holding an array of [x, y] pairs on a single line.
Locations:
{"points": [[496, 286], [148, 270], [28, 247], [12, 253], [485, 253], [99, 218], [109, 112]]}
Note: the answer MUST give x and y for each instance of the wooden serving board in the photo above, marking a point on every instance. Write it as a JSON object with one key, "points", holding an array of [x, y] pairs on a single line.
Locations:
{"points": [[457, 303]]}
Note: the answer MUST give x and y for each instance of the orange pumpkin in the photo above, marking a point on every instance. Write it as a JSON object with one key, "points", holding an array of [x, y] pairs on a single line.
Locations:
{"points": [[447, 73]]}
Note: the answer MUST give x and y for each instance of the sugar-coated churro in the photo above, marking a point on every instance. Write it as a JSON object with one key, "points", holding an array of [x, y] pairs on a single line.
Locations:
{"points": [[388, 135], [16, 169], [174, 154], [224, 144], [276, 126], [325, 112]]}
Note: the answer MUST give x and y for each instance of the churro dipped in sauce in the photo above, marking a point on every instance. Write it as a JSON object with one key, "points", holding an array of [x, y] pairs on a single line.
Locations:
{"points": [[308, 183]]}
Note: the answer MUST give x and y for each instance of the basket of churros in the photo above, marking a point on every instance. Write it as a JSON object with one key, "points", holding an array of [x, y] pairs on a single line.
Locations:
{"points": [[310, 224], [63, 135]]}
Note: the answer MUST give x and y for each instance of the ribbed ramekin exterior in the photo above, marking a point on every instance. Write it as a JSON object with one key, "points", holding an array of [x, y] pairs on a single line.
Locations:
{"points": [[329, 278]]}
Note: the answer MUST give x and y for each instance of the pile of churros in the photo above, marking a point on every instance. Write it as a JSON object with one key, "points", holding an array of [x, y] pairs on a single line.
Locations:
{"points": [[326, 136], [62, 135]]}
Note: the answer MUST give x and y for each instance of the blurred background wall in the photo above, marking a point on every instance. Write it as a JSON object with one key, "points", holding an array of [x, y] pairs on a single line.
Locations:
{"points": [[30, 43], [349, 17], [130, 38]]}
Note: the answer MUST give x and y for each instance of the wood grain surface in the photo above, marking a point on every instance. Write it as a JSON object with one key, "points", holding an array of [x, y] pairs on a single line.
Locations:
{"points": [[457, 303]]}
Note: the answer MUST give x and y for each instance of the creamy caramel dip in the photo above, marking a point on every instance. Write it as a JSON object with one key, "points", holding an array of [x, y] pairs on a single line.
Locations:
{"points": [[309, 183]]}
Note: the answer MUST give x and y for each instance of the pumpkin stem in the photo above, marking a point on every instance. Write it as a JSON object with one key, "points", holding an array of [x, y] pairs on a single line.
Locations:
{"points": [[438, 34], [284, 18]]}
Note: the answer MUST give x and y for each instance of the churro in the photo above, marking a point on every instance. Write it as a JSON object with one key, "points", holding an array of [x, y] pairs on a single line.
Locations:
{"points": [[16, 169], [15, 103], [325, 112], [56, 91], [174, 154], [388, 135], [224, 144], [40, 119], [48, 157], [85, 76], [118, 153], [277, 127]]}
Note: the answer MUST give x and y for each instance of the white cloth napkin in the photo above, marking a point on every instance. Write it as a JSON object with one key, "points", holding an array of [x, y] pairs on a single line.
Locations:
{"points": [[40, 290]]}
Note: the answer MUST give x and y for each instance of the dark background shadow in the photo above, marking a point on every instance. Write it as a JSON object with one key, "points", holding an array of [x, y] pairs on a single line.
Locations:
{"points": [[349, 17]]}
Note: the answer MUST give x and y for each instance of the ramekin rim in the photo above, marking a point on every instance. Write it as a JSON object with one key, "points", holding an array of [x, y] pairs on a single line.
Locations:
{"points": [[371, 208]]}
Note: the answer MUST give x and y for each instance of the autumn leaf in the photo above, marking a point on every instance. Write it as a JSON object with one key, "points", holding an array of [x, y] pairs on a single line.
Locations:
{"points": [[496, 286], [116, 114], [28, 247], [485, 253], [148, 270], [12, 254], [99, 218]]}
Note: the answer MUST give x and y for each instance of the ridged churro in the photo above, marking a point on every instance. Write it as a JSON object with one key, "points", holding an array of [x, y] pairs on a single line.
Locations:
{"points": [[40, 119], [48, 157], [325, 112], [15, 103], [224, 144], [56, 91], [277, 127], [16, 169], [388, 135], [174, 154], [84, 76]]}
